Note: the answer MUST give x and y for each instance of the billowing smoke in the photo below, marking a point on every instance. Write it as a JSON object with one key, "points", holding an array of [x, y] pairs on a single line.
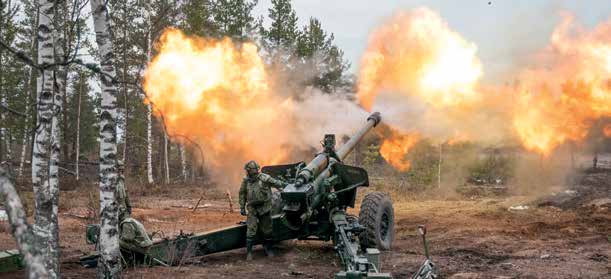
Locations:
{"points": [[218, 95], [423, 76]]}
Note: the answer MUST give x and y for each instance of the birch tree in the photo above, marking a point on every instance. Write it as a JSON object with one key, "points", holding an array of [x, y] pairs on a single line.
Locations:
{"points": [[149, 109], [166, 164], [45, 178], [30, 9], [21, 230], [109, 263], [183, 162]]}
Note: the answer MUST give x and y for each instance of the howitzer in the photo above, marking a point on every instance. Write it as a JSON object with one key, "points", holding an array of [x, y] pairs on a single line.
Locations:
{"points": [[312, 206]]}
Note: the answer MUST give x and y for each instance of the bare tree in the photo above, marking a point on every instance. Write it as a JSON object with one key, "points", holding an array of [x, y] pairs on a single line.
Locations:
{"points": [[110, 264], [22, 231], [78, 127]]}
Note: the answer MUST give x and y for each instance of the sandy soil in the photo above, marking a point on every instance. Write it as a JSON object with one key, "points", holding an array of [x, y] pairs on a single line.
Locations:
{"points": [[470, 238]]}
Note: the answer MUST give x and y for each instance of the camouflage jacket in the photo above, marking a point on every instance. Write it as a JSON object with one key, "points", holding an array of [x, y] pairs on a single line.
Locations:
{"points": [[133, 236], [257, 194]]}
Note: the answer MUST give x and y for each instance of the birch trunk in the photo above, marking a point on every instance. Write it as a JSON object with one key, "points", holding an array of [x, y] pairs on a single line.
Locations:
{"points": [[2, 99], [4, 147], [22, 232], [44, 151], [149, 109], [165, 158], [109, 263], [61, 74], [183, 163], [124, 88], [59, 100], [149, 144], [24, 140]]}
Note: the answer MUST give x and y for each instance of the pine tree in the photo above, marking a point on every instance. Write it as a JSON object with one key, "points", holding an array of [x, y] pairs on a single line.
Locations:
{"points": [[10, 70], [321, 58], [234, 19], [198, 18], [283, 32]]}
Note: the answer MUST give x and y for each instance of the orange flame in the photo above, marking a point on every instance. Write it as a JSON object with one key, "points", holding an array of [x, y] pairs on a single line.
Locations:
{"points": [[395, 148], [458, 139], [417, 54], [216, 92], [607, 130], [560, 100]]}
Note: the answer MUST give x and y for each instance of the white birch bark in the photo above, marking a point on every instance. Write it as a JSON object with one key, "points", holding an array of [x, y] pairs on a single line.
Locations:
{"points": [[183, 163], [149, 144], [109, 265], [44, 162], [165, 158], [21, 230], [56, 134], [149, 109], [4, 140]]}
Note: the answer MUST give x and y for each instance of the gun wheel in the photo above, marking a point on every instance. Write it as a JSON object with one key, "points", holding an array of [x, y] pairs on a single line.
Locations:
{"points": [[378, 218]]}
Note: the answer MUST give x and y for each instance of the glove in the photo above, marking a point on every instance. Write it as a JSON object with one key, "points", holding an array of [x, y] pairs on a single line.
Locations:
{"points": [[242, 211]]}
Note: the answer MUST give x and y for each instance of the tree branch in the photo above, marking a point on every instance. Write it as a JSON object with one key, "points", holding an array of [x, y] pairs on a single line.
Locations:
{"points": [[12, 111], [21, 230]]}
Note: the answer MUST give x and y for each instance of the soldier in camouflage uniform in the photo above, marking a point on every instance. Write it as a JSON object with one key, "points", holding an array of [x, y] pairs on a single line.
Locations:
{"points": [[256, 203], [133, 236]]}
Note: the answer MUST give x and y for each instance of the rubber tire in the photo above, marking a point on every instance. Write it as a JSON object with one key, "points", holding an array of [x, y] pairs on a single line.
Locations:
{"points": [[376, 209]]}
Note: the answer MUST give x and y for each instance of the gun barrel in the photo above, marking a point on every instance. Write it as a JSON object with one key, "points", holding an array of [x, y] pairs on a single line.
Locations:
{"points": [[372, 121], [321, 161]]}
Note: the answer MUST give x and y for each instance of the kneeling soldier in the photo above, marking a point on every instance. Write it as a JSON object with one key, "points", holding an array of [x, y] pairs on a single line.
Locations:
{"points": [[256, 197], [133, 236]]}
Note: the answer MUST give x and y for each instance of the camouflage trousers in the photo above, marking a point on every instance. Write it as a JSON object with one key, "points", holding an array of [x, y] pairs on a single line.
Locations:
{"points": [[261, 222]]}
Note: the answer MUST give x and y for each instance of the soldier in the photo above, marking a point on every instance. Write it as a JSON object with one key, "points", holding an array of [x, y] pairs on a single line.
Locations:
{"points": [[133, 236], [256, 197]]}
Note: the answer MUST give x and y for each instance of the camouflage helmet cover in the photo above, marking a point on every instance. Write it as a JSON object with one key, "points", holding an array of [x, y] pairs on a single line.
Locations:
{"points": [[251, 165]]}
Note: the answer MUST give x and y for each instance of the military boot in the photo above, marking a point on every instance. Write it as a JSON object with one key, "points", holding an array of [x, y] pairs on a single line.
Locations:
{"points": [[269, 245], [249, 243]]}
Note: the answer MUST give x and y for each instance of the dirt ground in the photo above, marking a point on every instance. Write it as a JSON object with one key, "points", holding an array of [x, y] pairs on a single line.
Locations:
{"points": [[469, 238]]}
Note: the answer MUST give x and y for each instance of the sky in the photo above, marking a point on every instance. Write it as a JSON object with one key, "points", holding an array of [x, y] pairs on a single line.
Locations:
{"points": [[506, 32]]}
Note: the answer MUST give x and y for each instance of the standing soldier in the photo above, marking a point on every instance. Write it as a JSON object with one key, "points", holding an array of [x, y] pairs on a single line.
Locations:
{"points": [[256, 197]]}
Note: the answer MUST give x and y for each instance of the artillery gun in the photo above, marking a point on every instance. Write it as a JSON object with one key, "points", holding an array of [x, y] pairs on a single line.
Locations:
{"points": [[312, 206]]}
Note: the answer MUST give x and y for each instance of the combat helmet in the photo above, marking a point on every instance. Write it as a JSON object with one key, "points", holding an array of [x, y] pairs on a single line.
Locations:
{"points": [[251, 165]]}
